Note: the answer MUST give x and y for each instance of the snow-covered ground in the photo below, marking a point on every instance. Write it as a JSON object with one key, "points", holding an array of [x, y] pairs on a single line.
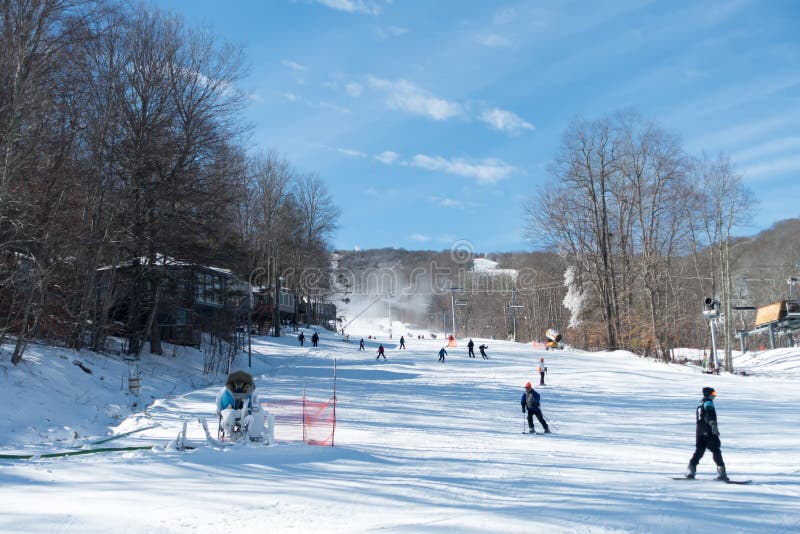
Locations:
{"points": [[421, 446]]}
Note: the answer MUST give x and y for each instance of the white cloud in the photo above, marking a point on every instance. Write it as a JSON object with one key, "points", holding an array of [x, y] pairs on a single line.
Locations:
{"points": [[297, 67], [422, 238], [291, 97], [353, 6], [776, 166], [406, 96], [505, 121], [334, 107], [388, 32], [487, 171], [351, 152], [354, 89], [387, 157], [770, 148], [493, 40], [505, 15]]}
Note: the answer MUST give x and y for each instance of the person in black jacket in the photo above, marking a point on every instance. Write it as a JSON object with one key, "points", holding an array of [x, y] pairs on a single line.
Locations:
{"points": [[530, 403], [301, 338], [471, 349], [315, 339], [707, 435], [483, 348]]}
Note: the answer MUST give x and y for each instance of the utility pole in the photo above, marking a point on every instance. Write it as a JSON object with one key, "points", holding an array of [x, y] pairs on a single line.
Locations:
{"points": [[249, 324], [711, 314], [277, 305]]}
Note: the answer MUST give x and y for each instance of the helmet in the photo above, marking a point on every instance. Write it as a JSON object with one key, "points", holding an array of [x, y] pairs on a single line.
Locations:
{"points": [[528, 385], [709, 392]]}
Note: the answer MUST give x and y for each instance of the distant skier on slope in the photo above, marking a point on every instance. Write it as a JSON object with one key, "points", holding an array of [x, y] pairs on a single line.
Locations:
{"points": [[361, 344], [442, 354], [707, 435], [530, 403], [542, 371], [402, 343], [471, 349], [381, 352], [482, 349], [315, 339], [301, 338]]}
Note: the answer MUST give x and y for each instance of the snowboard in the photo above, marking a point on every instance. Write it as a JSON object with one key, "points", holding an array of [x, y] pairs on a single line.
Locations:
{"points": [[729, 481]]}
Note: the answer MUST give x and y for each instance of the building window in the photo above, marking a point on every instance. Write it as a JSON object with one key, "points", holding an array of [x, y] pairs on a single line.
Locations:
{"points": [[209, 288]]}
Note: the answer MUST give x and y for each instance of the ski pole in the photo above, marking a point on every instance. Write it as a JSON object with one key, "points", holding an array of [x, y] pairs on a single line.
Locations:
{"points": [[550, 423]]}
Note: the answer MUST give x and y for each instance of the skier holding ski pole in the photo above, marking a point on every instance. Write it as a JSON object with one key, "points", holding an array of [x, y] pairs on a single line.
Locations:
{"points": [[530, 402]]}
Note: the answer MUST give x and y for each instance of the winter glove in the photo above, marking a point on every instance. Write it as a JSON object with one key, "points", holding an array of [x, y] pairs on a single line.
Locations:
{"points": [[523, 409], [714, 429]]}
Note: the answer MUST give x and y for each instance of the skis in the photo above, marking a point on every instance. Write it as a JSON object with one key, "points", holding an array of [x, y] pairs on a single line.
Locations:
{"points": [[729, 481]]}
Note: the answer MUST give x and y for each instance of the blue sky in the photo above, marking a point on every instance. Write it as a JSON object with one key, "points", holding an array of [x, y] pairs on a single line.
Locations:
{"points": [[431, 122]]}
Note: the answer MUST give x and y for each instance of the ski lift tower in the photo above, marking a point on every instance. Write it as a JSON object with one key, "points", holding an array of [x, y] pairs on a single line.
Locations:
{"points": [[711, 314], [513, 306], [453, 307]]}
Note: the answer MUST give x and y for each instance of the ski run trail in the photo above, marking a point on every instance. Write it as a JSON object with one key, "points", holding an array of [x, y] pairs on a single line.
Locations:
{"points": [[420, 446]]}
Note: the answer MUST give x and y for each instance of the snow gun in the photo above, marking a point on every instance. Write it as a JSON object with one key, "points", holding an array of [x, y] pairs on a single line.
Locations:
{"points": [[553, 339]]}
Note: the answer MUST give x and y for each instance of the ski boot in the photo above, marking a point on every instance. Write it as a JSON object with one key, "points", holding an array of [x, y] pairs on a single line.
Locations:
{"points": [[547, 431], [722, 475], [691, 470]]}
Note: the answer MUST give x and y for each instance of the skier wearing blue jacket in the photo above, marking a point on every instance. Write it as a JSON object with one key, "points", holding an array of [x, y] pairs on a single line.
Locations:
{"points": [[707, 435], [530, 403]]}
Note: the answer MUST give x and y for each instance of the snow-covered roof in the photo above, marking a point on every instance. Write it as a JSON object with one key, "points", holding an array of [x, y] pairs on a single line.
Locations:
{"points": [[486, 266], [164, 261]]}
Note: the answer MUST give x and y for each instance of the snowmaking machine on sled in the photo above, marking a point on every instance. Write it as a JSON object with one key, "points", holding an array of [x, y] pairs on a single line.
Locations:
{"points": [[239, 414], [553, 339]]}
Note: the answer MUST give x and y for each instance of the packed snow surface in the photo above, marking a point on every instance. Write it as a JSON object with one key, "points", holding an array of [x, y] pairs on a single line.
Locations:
{"points": [[420, 446]]}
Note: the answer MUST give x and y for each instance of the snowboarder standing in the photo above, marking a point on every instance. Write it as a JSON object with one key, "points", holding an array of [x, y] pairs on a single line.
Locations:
{"points": [[542, 371], [530, 403], [442, 354], [381, 352], [402, 343], [482, 349], [361, 344], [707, 435], [315, 339], [301, 338], [471, 349]]}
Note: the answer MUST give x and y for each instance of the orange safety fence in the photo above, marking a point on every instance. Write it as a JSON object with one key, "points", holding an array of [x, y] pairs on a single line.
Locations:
{"points": [[300, 419], [319, 421]]}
